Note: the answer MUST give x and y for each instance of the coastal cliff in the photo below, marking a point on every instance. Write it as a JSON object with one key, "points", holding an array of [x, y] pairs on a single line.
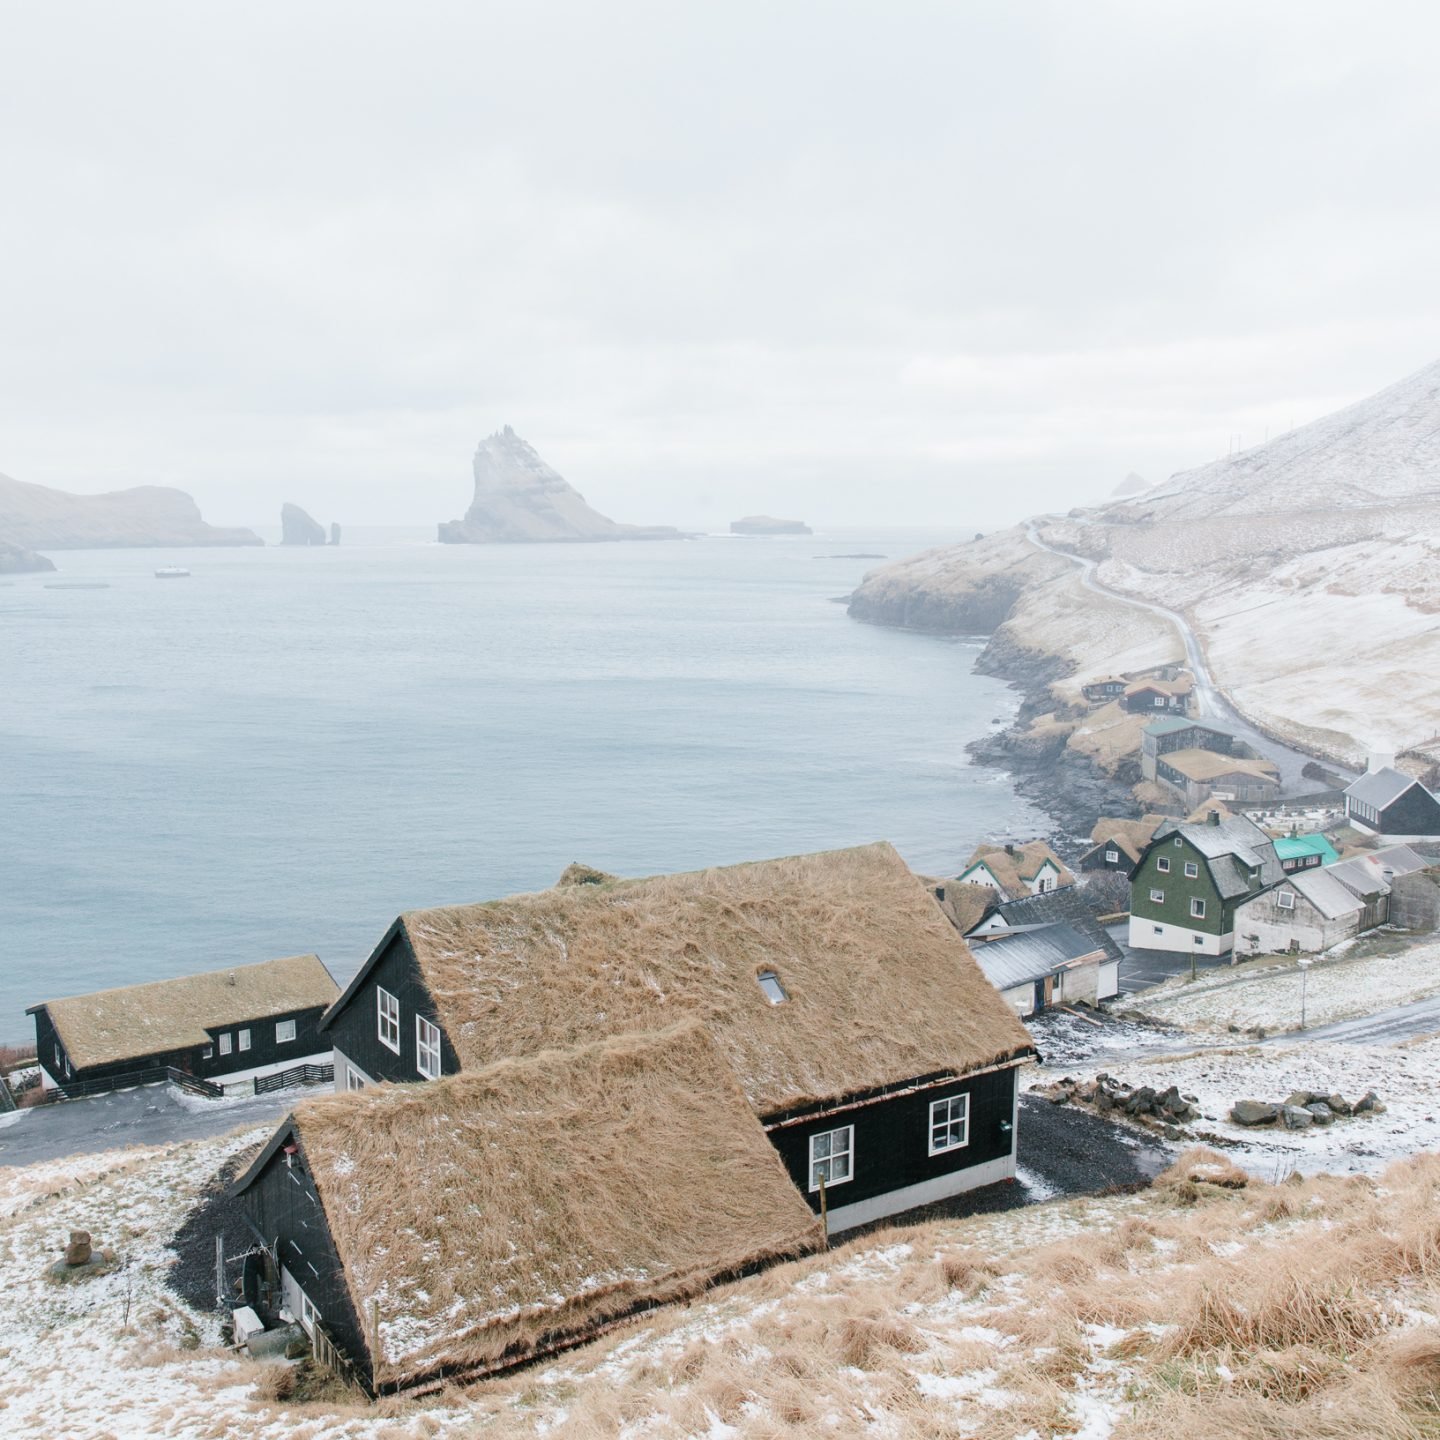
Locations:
{"points": [[519, 499], [298, 527], [15, 561], [35, 517]]}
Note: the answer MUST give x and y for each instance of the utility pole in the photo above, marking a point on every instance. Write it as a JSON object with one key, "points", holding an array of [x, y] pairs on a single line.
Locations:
{"points": [[1305, 964]]}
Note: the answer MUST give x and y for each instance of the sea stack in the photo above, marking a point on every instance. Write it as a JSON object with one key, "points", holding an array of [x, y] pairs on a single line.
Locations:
{"points": [[519, 499], [768, 525], [298, 528]]}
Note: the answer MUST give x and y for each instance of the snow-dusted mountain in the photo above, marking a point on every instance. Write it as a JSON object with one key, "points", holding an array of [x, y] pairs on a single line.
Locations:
{"points": [[1381, 449]]}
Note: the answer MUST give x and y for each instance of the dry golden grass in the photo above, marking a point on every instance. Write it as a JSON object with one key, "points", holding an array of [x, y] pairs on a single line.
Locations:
{"points": [[881, 988]]}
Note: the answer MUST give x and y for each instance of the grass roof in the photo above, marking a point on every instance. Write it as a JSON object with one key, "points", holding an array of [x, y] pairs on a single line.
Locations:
{"points": [[1207, 765], [880, 987], [109, 1026], [496, 1215], [1132, 836], [1016, 866]]}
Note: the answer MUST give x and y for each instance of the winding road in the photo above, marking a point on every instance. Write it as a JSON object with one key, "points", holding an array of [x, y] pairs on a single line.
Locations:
{"points": [[1210, 701]]}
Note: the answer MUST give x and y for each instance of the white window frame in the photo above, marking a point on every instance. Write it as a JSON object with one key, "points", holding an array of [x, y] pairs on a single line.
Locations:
{"points": [[846, 1152], [1285, 900], [1192, 869], [387, 1018], [242, 1040], [943, 1120], [1198, 939], [1162, 864], [284, 1032], [226, 1043], [354, 1080], [1112, 857], [1197, 908], [427, 1047], [1157, 897], [208, 1053]]}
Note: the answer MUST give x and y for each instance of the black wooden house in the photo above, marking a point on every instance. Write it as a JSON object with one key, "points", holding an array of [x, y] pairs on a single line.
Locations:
{"points": [[871, 1047], [213, 1026], [1387, 801]]}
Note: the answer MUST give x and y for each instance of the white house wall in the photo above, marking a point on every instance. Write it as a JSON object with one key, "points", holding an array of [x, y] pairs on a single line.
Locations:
{"points": [[1161, 935]]}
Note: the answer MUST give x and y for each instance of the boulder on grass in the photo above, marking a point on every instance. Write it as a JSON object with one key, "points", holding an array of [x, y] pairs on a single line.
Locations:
{"points": [[1254, 1112], [1301, 1098], [1296, 1117], [1367, 1102], [1339, 1104], [1323, 1114], [78, 1251]]}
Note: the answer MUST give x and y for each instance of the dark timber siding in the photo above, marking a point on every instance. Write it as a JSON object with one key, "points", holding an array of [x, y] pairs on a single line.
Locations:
{"points": [[355, 1029], [892, 1138], [309, 1040], [1416, 812], [284, 1209]]}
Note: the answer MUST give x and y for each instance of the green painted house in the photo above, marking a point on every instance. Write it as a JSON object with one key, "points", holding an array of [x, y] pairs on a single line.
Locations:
{"points": [[1190, 879]]}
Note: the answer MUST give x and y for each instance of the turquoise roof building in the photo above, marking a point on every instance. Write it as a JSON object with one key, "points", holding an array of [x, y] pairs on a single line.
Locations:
{"points": [[1304, 852]]}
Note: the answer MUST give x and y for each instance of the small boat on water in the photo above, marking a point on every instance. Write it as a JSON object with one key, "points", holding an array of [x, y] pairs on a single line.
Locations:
{"points": [[172, 572]]}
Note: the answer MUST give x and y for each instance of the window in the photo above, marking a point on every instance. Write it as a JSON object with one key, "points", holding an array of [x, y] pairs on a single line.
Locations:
{"points": [[949, 1124], [309, 1316], [284, 1031], [1157, 897], [389, 1010], [1047, 882], [208, 1053], [1162, 864], [1197, 909], [354, 1080], [1199, 939], [1112, 857], [1159, 702], [1192, 870], [1158, 929], [775, 992], [831, 1154], [225, 1043], [427, 1048], [1179, 840], [244, 1038], [1285, 900]]}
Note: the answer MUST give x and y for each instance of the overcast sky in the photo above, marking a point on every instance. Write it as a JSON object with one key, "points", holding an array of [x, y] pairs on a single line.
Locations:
{"points": [[864, 263]]}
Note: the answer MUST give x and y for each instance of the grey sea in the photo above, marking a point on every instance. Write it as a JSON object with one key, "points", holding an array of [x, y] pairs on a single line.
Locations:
{"points": [[283, 751]]}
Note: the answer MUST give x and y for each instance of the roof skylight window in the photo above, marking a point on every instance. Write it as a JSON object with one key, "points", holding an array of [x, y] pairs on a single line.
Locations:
{"points": [[775, 992]]}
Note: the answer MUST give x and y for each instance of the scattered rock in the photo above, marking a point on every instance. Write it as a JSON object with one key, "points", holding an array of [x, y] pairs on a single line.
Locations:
{"points": [[1339, 1104], [1254, 1112], [1296, 1117], [1366, 1103], [78, 1251], [1323, 1114]]}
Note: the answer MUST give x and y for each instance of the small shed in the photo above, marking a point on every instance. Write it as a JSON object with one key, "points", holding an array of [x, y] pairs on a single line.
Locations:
{"points": [[1308, 911], [1036, 966], [1304, 852], [1386, 801]]}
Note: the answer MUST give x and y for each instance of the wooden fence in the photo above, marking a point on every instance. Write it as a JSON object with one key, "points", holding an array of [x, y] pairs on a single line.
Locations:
{"points": [[298, 1075]]}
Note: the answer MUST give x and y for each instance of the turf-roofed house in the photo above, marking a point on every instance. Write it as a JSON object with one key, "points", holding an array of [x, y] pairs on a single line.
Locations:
{"points": [[224, 1026], [490, 1218], [877, 1056]]}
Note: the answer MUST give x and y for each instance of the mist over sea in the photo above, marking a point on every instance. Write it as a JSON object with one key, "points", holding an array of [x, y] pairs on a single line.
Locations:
{"points": [[282, 752]]}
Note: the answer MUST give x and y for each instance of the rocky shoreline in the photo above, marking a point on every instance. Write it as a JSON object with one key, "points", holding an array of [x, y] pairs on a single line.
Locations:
{"points": [[1070, 788]]}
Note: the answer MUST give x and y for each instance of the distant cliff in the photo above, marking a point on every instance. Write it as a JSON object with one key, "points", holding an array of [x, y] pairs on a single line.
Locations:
{"points": [[520, 499], [298, 528], [34, 517], [768, 525], [15, 561]]}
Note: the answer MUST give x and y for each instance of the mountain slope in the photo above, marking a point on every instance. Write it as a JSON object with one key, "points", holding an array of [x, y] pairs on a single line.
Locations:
{"points": [[35, 517]]}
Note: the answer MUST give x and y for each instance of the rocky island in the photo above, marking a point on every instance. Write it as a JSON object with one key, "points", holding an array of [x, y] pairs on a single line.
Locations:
{"points": [[35, 517], [298, 527], [16, 561], [768, 525], [519, 499]]}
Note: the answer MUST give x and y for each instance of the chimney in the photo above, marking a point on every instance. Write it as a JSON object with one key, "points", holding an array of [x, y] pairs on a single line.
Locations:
{"points": [[1009, 849], [1213, 818], [1379, 760]]}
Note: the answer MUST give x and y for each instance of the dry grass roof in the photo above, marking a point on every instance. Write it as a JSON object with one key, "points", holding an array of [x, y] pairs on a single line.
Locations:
{"points": [[1132, 836], [1208, 765], [881, 988], [138, 1020], [966, 905], [493, 1215], [1015, 867]]}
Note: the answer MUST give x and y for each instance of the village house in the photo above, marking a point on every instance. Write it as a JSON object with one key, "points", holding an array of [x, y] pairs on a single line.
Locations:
{"points": [[1016, 870], [1308, 911], [1196, 776], [225, 1026], [1105, 689], [1118, 844], [1386, 801], [1304, 852], [448, 1230], [1191, 880], [1037, 966], [853, 1014], [1159, 695], [1171, 733], [1415, 900]]}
